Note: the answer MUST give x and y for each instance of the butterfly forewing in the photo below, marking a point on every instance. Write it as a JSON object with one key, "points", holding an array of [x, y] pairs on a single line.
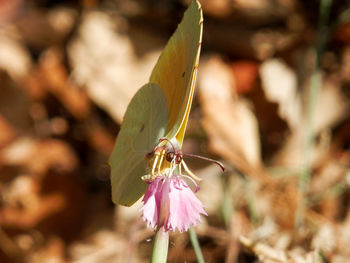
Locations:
{"points": [[175, 71]]}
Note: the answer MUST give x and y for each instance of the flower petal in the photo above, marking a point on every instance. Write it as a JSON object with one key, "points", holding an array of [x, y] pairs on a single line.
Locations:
{"points": [[170, 202], [151, 208], [185, 207]]}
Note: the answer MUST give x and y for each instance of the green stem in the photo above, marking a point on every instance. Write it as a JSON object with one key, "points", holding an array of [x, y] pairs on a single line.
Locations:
{"points": [[160, 246], [196, 246], [315, 86], [250, 199], [226, 204]]}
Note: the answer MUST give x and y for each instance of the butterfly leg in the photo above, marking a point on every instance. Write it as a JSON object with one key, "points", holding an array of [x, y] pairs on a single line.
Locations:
{"points": [[155, 164], [190, 173], [161, 161]]}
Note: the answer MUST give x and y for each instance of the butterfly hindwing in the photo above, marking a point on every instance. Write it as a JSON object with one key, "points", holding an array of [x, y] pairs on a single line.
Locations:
{"points": [[145, 122]]}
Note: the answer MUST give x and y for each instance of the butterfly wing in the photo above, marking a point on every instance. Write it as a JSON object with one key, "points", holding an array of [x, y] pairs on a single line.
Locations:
{"points": [[145, 122], [158, 109], [176, 70]]}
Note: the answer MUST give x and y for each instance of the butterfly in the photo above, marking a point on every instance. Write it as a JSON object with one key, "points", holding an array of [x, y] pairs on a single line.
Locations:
{"points": [[157, 116]]}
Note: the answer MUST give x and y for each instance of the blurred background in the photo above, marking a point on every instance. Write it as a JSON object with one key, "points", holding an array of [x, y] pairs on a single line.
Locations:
{"points": [[271, 102]]}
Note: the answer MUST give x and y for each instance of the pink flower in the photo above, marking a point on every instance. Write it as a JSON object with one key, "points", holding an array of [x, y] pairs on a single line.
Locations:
{"points": [[169, 202]]}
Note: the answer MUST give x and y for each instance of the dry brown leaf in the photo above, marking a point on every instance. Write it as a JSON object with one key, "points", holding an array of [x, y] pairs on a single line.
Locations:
{"points": [[233, 134], [52, 76], [41, 28], [345, 68], [268, 254], [48, 154], [210, 188], [279, 83], [7, 132], [9, 9], [14, 56], [240, 225], [264, 252], [343, 32], [228, 121], [124, 215], [278, 198], [56, 78], [100, 139], [331, 173], [62, 19], [218, 8], [251, 44], [245, 74], [252, 5], [104, 246], [25, 207], [28, 218], [14, 104], [343, 237], [53, 251], [325, 239], [330, 109], [105, 62]]}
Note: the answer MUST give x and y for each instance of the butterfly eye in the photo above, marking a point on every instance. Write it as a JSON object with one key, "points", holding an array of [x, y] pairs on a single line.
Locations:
{"points": [[178, 158], [170, 156]]}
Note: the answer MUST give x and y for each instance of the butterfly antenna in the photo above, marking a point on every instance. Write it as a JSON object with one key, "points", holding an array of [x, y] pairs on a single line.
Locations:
{"points": [[206, 159]]}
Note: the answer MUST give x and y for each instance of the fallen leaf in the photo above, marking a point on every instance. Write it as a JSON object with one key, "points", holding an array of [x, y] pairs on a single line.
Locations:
{"points": [[49, 154], [53, 251], [14, 56], [105, 62], [245, 75], [229, 122], [7, 132], [25, 207], [279, 83], [56, 80]]}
